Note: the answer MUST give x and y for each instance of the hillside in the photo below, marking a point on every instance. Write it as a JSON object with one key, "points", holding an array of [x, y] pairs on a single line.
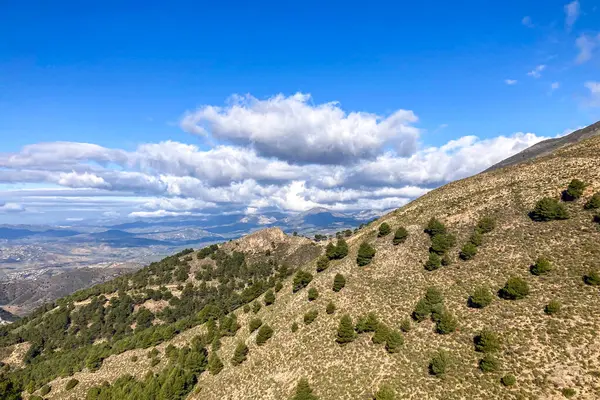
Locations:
{"points": [[551, 353]]}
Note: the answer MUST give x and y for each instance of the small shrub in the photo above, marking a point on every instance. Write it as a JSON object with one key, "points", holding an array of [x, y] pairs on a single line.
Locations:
{"points": [[542, 266], [339, 282], [486, 342], [439, 363], [385, 392], [480, 298], [405, 325], [433, 262], [384, 230], [569, 392], [365, 254], [514, 289], [345, 333], [592, 278], [593, 203], [45, 390], [154, 362], [486, 225], [508, 380], [278, 287], [489, 363], [468, 251], [574, 190], [264, 333], [548, 209], [367, 324], [71, 384], [435, 227], [337, 252], [446, 323], [254, 324], [381, 334], [400, 236], [215, 365], [240, 354], [434, 296], [35, 397], [269, 297], [330, 308], [134, 359], [310, 316], [152, 353], [256, 306], [552, 308], [422, 311], [246, 308], [294, 327], [313, 294], [394, 341], [476, 238], [322, 263], [437, 310], [442, 242], [304, 391], [301, 280]]}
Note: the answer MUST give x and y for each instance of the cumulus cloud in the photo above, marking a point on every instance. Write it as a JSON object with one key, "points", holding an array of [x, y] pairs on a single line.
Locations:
{"points": [[11, 208], [537, 71], [594, 88], [85, 180], [293, 129], [572, 11], [510, 81]]}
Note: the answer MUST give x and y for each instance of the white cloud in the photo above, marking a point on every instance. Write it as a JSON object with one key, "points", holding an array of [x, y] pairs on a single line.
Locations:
{"points": [[572, 11], [585, 46], [594, 88], [85, 180], [537, 71], [157, 214], [527, 22], [11, 208], [262, 220], [510, 81], [293, 129], [554, 86]]}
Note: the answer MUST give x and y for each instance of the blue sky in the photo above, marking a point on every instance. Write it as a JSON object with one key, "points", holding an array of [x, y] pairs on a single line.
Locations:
{"points": [[120, 76]]}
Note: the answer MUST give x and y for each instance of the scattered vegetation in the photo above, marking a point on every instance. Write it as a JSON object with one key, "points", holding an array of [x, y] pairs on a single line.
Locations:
{"points": [[304, 391], [541, 266], [592, 278], [313, 294], [384, 229], [514, 289], [269, 297], [574, 191], [508, 380], [338, 282], [489, 363], [468, 251], [486, 342], [439, 363], [394, 341], [330, 308], [400, 236], [322, 263], [553, 307], [480, 298], [240, 354], [365, 254], [593, 203], [215, 365], [548, 209], [310, 316], [345, 333], [433, 300], [338, 251], [254, 324], [385, 392], [264, 333], [569, 392], [71, 383], [301, 280]]}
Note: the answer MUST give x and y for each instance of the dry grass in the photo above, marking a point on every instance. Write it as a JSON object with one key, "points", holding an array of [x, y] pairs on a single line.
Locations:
{"points": [[546, 354]]}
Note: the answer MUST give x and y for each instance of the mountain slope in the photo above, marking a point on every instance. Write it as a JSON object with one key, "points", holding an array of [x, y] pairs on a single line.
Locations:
{"points": [[546, 353], [548, 146]]}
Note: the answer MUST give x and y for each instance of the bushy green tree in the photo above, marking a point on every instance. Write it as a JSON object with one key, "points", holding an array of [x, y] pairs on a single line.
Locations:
{"points": [[365, 254], [468, 251], [442, 242], [508, 380], [384, 229], [256, 307], [338, 251], [254, 324], [489, 363], [322, 263], [541, 266], [45, 390], [338, 282], [381, 333], [278, 287], [367, 324], [215, 365], [514, 289], [301, 280], [405, 325], [71, 383], [313, 294], [310, 316], [592, 278], [486, 225], [264, 333], [422, 311], [246, 308], [385, 392], [345, 333], [476, 238], [394, 341], [330, 308], [304, 391], [240, 354], [400, 236], [480, 298], [486, 342], [435, 227], [434, 296], [269, 297], [548, 209], [553, 307], [433, 262], [446, 324], [593, 203], [439, 363], [574, 191]]}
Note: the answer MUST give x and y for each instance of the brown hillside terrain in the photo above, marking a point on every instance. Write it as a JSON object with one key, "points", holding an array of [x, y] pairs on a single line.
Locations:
{"points": [[545, 353]]}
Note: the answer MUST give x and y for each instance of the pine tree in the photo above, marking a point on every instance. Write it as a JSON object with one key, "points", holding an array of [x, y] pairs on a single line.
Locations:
{"points": [[435, 227], [254, 324], [481, 297], [433, 262], [304, 391], [240, 354], [264, 333], [215, 365], [338, 282], [400, 236], [313, 294], [394, 341], [446, 324], [330, 308], [322, 263], [384, 229], [381, 334], [365, 254], [269, 297], [385, 392], [345, 333]]}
